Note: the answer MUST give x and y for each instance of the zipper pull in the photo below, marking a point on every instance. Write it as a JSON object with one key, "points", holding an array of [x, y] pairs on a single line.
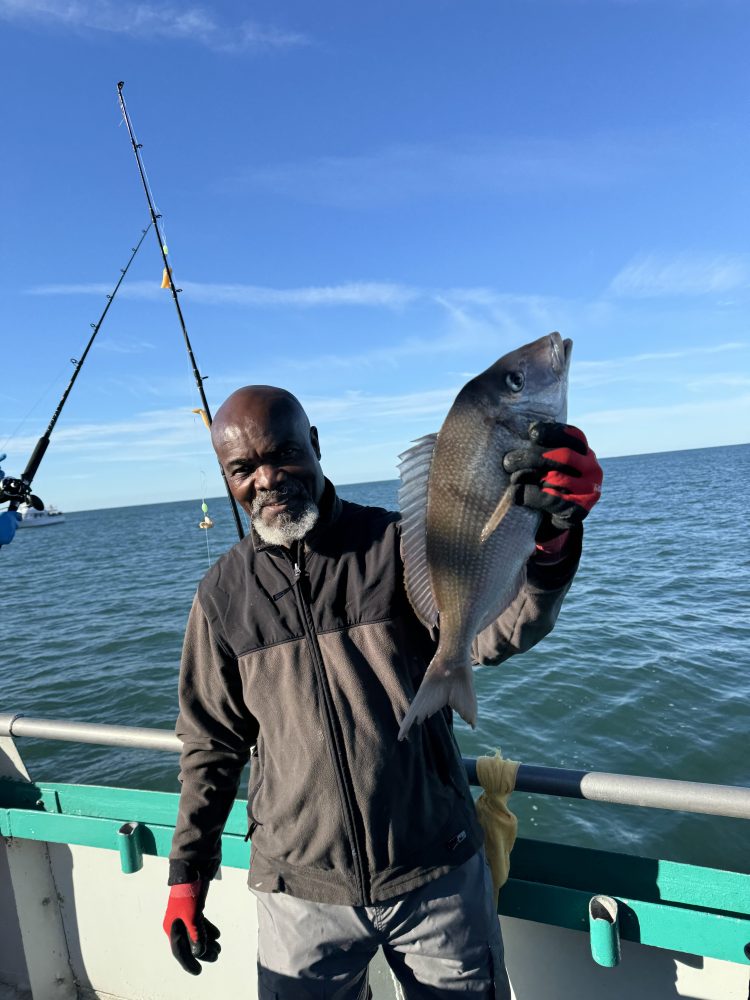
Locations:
{"points": [[297, 575]]}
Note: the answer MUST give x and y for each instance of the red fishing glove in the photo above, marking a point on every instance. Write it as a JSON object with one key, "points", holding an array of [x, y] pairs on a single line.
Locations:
{"points": [[191, 936], [558, 474]]}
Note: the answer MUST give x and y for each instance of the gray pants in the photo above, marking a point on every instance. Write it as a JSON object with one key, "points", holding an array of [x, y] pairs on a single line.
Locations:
{"points": [[440, 940]]}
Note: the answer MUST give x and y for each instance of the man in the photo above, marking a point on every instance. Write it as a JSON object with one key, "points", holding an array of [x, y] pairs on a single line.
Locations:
{"points": [[8, 523], [301, 643], [8, 519]]}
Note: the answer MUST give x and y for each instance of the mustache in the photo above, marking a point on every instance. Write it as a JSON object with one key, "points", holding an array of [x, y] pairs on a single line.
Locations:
{"points": [[265, 498]]}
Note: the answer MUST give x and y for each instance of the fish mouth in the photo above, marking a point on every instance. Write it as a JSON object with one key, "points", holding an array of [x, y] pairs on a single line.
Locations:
{"points": [[561, 354]]}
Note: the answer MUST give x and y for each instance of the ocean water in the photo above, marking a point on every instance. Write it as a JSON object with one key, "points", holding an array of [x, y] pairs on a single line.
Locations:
{"points": [[647, 671]]}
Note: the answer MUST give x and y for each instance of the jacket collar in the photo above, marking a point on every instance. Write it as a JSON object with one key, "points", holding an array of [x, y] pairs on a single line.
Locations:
{"points": [[330, 511]]}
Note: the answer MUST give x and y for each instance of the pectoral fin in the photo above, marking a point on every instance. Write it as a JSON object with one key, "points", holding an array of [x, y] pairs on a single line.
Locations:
{"points": [[506, 502]]}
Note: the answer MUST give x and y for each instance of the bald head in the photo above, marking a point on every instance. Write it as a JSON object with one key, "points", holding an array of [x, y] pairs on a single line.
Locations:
{"points": [[271, 458], [260, 405]]}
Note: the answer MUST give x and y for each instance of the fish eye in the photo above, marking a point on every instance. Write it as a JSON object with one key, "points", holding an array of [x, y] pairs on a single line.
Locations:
{"points": [[515, 381]]}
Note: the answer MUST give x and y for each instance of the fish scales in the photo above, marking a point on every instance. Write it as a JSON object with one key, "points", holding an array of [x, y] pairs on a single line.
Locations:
{"points": [[475, 542], [471, 579]]}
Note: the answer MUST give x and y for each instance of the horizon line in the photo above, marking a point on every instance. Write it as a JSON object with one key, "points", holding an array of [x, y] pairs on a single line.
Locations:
{"points": [[395, 479]]}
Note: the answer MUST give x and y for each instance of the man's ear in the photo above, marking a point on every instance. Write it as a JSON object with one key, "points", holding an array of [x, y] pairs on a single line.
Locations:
{"points": [[314, 441]]}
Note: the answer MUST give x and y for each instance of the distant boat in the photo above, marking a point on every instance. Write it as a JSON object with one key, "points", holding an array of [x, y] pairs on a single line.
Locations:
{"points": [[31, 518]]}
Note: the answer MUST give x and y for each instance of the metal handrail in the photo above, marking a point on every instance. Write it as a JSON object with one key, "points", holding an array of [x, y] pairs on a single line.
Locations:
{"points": [[732, 801], [623, 789], [90, 732]]}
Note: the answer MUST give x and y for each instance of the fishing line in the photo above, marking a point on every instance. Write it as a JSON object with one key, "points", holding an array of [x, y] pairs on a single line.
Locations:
{"points": [[18, 491], [168, 282], [42, 395]]}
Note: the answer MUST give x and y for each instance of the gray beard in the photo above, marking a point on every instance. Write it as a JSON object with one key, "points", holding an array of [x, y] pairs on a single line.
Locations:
{"points": [[286, 527]]}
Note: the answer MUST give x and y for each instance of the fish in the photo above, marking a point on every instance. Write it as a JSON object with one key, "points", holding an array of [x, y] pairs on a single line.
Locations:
{"points": [[464, 542]]}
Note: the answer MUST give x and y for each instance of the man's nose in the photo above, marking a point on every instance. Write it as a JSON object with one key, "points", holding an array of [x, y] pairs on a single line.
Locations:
{"points": [[268, 477]]}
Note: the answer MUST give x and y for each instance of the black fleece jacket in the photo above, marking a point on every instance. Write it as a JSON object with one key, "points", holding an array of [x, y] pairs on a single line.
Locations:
{"points": [[312, 655]]}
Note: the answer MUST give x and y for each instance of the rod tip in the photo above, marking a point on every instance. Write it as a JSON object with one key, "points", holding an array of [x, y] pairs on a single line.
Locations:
{"points": [[121, 84]]}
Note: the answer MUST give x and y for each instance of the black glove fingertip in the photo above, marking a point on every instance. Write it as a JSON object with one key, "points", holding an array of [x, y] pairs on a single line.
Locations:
{"points": [[212, 952], [551, 434], [529, 495], [519, 459], [211, 929], [181, 948], [527, 458], [522, 477]]}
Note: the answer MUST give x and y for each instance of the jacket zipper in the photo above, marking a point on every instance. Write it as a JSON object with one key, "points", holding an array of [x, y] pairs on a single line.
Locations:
{"points": [[337, 751]]}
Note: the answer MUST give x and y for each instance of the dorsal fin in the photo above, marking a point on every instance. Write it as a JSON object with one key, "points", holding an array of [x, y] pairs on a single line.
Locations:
{"points": [[414, 469]]}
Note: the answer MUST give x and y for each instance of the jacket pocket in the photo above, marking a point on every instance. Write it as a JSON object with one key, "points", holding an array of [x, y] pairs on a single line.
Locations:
{"points": [[254, 786]]}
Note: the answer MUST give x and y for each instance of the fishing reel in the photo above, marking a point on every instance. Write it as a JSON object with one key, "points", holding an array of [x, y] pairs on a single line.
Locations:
{"points": [[18, 492]]}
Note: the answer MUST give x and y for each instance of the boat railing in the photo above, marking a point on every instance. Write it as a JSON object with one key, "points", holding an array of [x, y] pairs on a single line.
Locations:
{"points": [[623, 789]]}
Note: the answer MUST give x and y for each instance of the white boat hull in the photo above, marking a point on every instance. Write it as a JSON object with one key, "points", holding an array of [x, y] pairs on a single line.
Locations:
{"points": [[83, 874], [108, 941], [31, 518]]}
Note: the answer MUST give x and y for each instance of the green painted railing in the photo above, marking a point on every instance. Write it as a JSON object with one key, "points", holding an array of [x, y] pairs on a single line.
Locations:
{"points": [[687, 908]]}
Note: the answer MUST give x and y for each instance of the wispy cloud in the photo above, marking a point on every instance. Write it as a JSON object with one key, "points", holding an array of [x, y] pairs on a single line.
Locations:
{"points": [[155, 22], [125, 346], [372, 407], [587, 374], [477, 318], [468, 167], [477, 324], [390, 356], [363, 293], [335, 368], [655, 275], [475, 314], [667, 425], [650, 415], [710, 383], [366, 293], [151, 433]]}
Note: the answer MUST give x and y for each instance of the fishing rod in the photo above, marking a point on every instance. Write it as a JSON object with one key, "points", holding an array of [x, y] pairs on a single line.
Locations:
{"points": [[18, 491], [199, 379]]}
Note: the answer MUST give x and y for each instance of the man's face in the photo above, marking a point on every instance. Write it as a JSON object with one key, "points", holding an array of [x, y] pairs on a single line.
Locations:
{"points": [[271, 457]]}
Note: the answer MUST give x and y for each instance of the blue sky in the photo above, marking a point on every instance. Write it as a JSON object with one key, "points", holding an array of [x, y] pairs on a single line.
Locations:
{"points": [[367, 204]]}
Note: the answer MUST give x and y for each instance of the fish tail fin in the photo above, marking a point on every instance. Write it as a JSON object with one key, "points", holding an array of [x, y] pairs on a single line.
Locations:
{"points": [[441, 687]]}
